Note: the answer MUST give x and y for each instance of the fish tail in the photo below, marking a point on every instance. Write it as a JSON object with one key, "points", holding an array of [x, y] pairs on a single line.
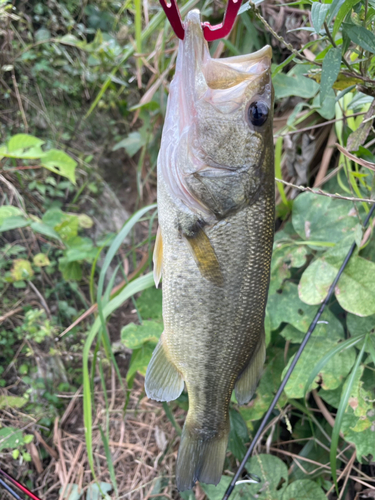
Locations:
{"points": [[200, 458]]}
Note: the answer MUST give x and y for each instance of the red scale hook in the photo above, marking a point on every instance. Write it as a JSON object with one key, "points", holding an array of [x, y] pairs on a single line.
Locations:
{"points": [[211, 33]]}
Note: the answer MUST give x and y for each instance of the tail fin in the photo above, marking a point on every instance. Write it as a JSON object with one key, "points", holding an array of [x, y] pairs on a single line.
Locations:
{"points": [[200, 459]]}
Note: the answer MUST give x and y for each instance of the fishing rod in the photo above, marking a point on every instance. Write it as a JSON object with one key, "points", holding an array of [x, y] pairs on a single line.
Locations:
{"points": [[17, 484], [292, 366]]}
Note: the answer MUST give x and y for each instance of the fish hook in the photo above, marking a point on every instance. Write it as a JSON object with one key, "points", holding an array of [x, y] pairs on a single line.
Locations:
{"points": [[210, 33]]}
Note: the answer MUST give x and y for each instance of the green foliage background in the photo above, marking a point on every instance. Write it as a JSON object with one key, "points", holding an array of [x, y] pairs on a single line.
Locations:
{"points": [[89, 82]]}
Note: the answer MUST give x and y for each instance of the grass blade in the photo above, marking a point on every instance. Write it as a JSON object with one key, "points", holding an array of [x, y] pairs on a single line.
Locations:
{"points": [[138, 285], [340, 413], [320, 365]]}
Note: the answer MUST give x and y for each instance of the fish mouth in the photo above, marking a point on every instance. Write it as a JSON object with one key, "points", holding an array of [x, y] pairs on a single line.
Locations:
{"points": [[221, 73]]}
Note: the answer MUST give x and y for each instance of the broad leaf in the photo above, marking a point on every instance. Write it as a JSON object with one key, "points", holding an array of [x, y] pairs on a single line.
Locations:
{"points": [[287, 307], [132, 143], [330, 71], [318, 14], [7, 211], [60, 163], [21, 270], [294, 85], [273, 474], [10, 438], [344, 10], [333, 373], [13, 223], [361, 36], [238, 436], [322, 219], [12, 402], [134, 336], [149, 304], [304, 489], [355, 290], [140, 360]]}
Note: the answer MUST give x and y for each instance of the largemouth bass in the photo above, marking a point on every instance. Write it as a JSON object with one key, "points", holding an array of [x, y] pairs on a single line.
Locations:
{"points": [[216, 223]]}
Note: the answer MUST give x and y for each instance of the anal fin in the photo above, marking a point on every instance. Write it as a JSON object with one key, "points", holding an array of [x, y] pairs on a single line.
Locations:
{"points": [[248, 380], [158, 257], [163, 381], [205, 256]]}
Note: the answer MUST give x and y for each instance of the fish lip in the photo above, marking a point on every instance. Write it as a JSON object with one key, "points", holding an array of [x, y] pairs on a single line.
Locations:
{"points": [[263, 53]]}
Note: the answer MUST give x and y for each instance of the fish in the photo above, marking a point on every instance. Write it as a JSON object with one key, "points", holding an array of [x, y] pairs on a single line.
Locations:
{"points": [[216, 209]]}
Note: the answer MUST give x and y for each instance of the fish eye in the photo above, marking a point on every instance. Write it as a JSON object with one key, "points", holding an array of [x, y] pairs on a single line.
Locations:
{"points": [[258, 113]]}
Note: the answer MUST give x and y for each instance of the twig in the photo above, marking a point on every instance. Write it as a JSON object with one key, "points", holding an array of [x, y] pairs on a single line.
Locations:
{"points": [[41, 298], [318, 125], [323, 193], [273, 33], [10, 313], [18, 96]]}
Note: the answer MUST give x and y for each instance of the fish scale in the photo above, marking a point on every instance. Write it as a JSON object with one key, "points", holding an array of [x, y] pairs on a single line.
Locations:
{"points": [[214, 245]]}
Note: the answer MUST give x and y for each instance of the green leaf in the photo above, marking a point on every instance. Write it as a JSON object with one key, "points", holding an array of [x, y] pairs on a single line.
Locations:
{"points": [[149, 304], [132, 143], [140, 360], [68, 228], [360, 325], [217, 492], [12, 223], [71, 271], [330, 71], [41, 260], [285, 257], [134, 336], [21, 270], [319, 218], [355, 290], [12, 402], [287, 307], [60, 163], [361, 36], [344, 10], [340, 414], [72, 492], [303, 489], [318, 367], [10, 438], [238, 435], [332, 374], [364, 440], [318, 14], [85, 221], [94, 491], [334, 8], [294, 85], [7, 211], [273, 474], [44, 229], [19, 143]]}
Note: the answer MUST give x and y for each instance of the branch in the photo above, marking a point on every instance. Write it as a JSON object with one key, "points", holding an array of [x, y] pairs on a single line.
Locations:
{"points": [[323, 193]]}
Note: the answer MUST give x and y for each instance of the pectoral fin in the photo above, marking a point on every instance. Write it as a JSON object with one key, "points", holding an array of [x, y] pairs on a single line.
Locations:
{"points": [[163, 381], [205, 256], [158, 257], [248, 380]]}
